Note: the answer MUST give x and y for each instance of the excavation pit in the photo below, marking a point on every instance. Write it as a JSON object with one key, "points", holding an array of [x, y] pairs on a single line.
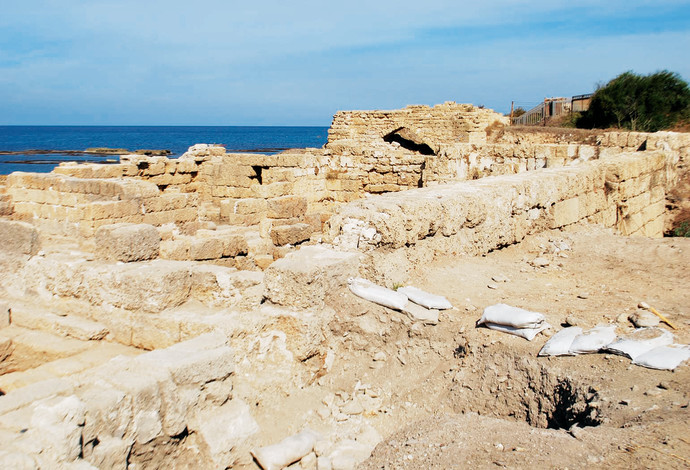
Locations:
{"points": [[524, 389]]}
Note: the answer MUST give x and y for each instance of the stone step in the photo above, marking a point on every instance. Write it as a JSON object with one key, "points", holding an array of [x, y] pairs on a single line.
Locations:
{"points": [[68, 326], [78, 359], [43, 343], [6, 207], [25, 348]]}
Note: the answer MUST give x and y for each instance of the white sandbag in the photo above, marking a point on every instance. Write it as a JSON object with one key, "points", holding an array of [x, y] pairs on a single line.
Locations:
{"points": [[664, 357], [593, 340], [559, 344], [502, 314], [289, 450], [377, 294], [419, 313], [425, 299], [527, 333], [640, 341]]}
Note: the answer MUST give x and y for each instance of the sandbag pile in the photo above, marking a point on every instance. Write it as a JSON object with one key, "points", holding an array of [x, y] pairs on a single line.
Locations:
{"points": [[513, 320], [416, 303], [647, 347], [425, 299]]}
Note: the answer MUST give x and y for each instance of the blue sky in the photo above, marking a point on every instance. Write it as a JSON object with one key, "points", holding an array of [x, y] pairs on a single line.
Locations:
{"points": [[265, 62]]}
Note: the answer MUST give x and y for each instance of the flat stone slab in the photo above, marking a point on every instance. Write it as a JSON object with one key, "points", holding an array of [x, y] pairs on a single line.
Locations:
{"points": [[304, 278]]}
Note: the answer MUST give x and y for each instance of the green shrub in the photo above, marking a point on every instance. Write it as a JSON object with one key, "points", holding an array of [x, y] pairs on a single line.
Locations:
{"points": [[639, 102], [683, 230]]}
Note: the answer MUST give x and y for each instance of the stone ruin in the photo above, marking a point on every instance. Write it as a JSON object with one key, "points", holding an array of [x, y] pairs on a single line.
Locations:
{"points": [[146, 305]]}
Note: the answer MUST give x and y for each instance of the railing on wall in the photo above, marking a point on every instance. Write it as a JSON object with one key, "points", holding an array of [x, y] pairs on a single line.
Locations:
{"points": [[552, 107]]}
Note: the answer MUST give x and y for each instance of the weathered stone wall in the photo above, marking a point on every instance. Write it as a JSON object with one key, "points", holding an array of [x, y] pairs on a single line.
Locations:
{"points": [[287, 197], [387, 151], [352, 131], [285, 193], [81, 205], [170, 175], [474, 217], [528, 152]]}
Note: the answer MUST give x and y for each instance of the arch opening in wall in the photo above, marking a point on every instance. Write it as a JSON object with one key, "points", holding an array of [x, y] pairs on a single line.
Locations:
{"points": [[408, 140]]}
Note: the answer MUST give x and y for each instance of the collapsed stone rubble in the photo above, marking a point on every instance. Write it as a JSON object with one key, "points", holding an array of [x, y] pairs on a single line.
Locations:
{"points": [[211, 275]]}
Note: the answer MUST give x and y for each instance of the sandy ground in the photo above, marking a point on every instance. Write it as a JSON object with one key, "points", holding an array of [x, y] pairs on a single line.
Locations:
{"points": [[453, 395], [471, 397]]}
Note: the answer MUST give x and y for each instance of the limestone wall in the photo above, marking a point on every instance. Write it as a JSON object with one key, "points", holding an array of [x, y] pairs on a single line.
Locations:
{"points": [[474, 217], [352, 131], [81, 205], [386, 151], [287, 197], [285, 190]]}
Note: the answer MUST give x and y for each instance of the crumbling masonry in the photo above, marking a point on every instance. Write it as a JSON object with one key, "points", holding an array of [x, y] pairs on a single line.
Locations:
{"points": [[200, 259]]}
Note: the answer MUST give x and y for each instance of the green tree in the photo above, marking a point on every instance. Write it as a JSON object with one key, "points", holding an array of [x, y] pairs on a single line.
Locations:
{"points": [[639, 102], [519, 111]]}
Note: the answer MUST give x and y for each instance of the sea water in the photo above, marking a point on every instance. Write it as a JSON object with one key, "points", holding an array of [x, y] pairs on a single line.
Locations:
{"points": [[176, 139]]}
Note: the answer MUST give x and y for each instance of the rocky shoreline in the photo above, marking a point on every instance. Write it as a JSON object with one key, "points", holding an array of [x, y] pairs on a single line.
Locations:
{"points": [[88, 151]]}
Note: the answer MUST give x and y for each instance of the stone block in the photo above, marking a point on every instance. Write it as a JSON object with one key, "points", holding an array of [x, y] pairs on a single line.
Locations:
{"points": [[250, 206], [277, 175], [657, 193], [304, 278], [205, 248], [381, 188], [654, 228], [169, 202], [127, 242], [187, 166], [286, 207], [192, 367], [110, 452], [57, 427], [143, 386], [98, 210], [19, 238], [175, 249], [272, 190], [233, 245], [634, 186], [218, 286], [221, 430], [151, 287], [108, 412], [246, 220], [152, 331], [263, 261], [653, 211], [290, 234], [587, 152]]}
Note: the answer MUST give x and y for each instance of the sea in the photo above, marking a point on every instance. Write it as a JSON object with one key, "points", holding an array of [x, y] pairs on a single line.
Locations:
{"points": [[42, 148]]}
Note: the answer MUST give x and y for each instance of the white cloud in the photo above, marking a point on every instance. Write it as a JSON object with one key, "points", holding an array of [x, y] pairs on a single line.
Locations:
{"points": [[232, 62]]}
